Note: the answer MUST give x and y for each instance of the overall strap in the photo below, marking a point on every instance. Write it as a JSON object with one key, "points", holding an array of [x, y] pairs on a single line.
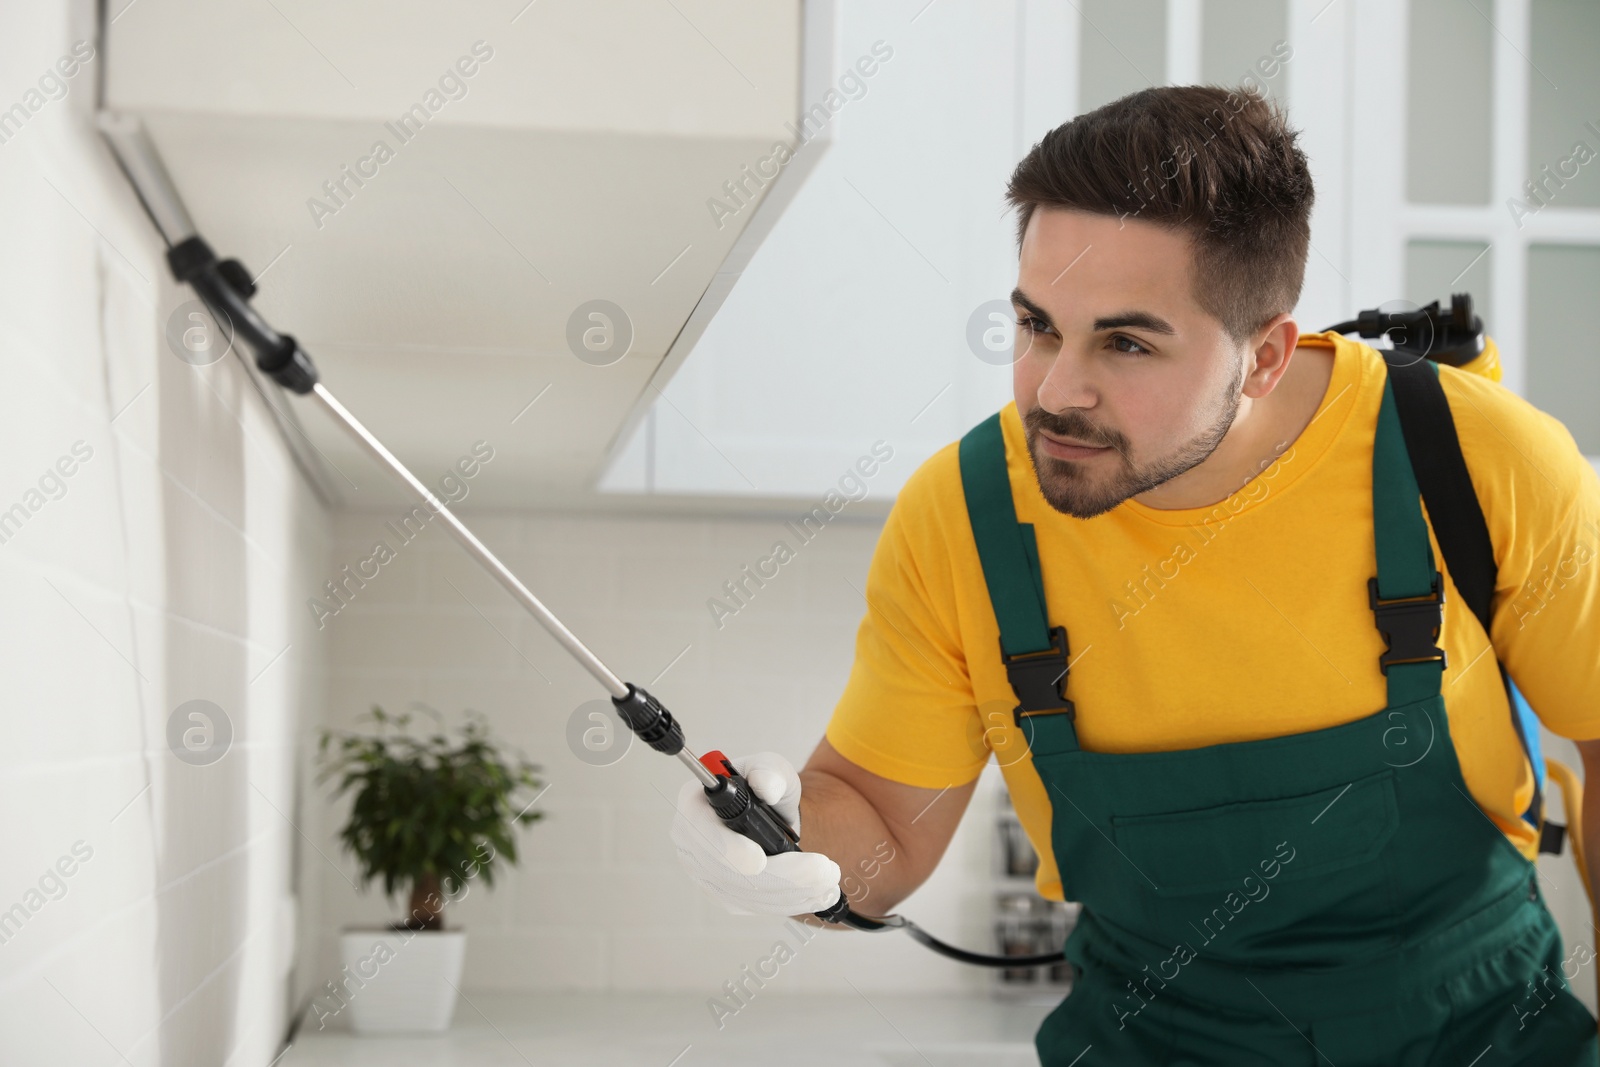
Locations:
{"points": [[1034, 653], [1407, 595], [1435, 449]]}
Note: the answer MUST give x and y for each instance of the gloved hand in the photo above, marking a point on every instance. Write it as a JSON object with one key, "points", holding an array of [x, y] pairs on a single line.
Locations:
{"points": [[732, 868]]}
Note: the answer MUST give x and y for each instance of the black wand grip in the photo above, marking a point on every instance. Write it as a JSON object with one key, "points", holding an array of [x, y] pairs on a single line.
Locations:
{"points": [[738, 806], [744, 812]]}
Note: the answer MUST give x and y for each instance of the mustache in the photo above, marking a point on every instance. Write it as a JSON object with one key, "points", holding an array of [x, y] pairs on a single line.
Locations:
{"points": [[1071, 424]]}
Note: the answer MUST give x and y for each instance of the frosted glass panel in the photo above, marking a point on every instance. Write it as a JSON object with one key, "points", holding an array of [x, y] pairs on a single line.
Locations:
{"points": [[1122, 49], [1240, 37], [1435, 269], [1447, 103], [1564, 102], [1563, 373]]}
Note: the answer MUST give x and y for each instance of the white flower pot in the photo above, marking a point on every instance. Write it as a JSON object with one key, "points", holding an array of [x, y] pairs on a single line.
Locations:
{"points": [[400, 980]]}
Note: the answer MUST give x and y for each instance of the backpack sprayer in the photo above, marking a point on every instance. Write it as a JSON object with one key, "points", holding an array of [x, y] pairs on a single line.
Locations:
{"points": [[1454, 336], [225, 287]]}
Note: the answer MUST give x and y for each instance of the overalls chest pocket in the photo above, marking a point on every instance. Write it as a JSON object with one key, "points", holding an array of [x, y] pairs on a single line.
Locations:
{"points": [[1301, 878]]}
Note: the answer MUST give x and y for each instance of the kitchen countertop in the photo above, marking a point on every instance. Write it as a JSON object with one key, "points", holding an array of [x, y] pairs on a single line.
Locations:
{"points": [[857, 1029]]}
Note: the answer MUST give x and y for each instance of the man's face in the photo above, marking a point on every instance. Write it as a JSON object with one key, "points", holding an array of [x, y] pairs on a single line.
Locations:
{"points": [[1114, 352]]}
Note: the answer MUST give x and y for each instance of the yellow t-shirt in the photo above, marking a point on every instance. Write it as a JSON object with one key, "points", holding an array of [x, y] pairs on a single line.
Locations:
{"points": [[1244, 620]]}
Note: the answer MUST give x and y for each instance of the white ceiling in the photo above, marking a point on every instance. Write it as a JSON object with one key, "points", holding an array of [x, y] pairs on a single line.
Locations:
{"points": [[436, 300]]}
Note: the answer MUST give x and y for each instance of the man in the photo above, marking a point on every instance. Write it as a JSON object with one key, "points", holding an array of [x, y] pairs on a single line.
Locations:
{"points": [[1295, 831]]}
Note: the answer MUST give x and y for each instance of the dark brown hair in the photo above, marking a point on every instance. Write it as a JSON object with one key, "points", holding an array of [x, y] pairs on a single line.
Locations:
{"points": [[1219, 164]]}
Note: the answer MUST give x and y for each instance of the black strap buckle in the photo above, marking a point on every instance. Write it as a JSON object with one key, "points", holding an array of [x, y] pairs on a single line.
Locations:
{"points": [[1410, 625], [1040, 679]]}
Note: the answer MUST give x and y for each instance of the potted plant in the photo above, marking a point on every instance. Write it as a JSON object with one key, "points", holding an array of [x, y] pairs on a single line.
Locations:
{"points": [[430, 814]]}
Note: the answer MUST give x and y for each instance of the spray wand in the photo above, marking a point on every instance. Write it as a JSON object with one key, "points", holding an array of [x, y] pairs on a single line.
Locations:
{"points": [[225, 287]]}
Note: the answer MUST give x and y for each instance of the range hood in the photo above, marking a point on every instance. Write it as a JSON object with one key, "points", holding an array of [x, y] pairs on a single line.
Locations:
{"points": [[487, 222]]}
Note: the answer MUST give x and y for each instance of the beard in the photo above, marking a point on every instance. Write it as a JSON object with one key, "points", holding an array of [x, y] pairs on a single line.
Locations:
{"points": [[1070, 488]]}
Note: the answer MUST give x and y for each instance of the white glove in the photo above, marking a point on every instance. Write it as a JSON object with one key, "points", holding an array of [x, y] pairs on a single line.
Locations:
{"points": [[732, 868]]}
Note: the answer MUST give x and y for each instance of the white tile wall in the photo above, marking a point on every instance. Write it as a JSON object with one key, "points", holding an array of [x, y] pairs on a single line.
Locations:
{"points": [[598, 901], [159, 576]]}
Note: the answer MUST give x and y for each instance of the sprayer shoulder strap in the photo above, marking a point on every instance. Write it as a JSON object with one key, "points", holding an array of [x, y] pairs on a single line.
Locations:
{"points": [[1434, 446], [1435, 449]]}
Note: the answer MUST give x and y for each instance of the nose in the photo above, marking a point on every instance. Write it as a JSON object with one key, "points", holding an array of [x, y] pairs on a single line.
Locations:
{"points": [[1066, 385]]}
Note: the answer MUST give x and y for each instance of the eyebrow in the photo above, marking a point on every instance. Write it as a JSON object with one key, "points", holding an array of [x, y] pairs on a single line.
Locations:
{"points": [[1139, 320], [1019, 298]]}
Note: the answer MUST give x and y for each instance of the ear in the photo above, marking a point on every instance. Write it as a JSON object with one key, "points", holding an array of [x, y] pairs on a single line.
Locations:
{"points": [[1270, 350]]}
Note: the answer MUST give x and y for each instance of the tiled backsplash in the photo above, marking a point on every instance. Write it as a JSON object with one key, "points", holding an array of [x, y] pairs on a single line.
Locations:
{"points": [[598, 900]]}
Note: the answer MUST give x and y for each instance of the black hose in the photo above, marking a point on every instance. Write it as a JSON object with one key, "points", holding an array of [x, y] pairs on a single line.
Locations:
{"points": [[921, 936]]}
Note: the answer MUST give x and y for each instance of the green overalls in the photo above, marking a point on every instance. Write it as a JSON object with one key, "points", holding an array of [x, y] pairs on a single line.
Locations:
{"points": [[1331, 897]]}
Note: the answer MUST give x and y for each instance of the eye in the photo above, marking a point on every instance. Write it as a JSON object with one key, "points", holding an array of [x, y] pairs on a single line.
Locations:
{"points": [[1135, 349], [1033, 324]]}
